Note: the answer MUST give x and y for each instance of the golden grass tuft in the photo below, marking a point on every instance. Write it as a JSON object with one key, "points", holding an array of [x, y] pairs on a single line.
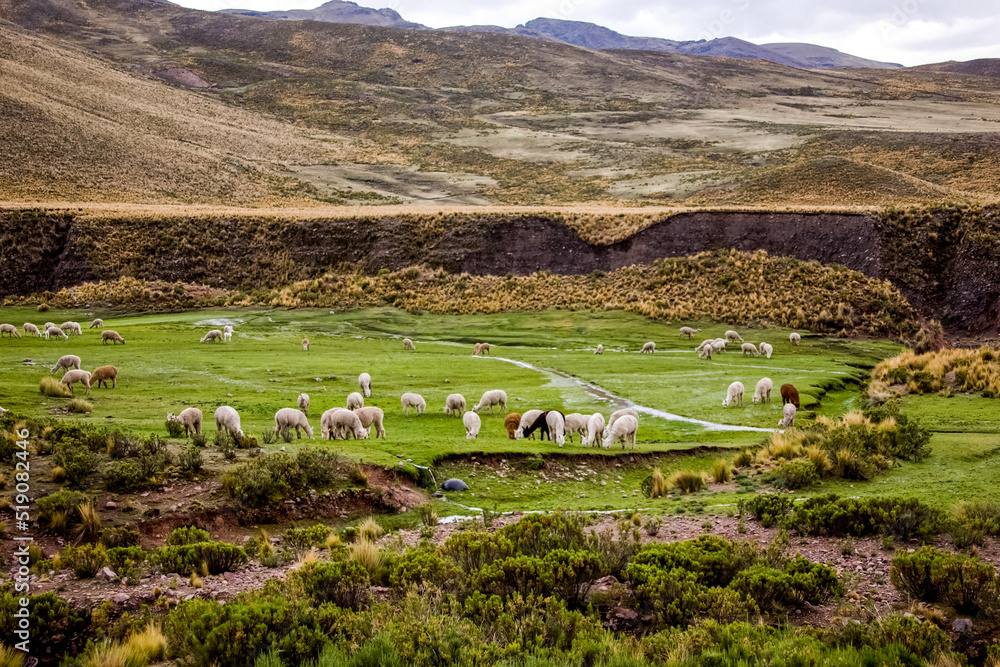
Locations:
{"points": [[79, 406], [310, 556], [138, 650], [820, 460], [10, 657], [659, 487], [369, 530], [53, 388], [721, 472], [89, 529], [966, 370], [687, 481], [333, 541], [367, 554], [743, 458]]}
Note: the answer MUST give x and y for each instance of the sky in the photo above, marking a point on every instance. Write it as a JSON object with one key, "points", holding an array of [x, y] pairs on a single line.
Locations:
{"points": [[910, 32]]}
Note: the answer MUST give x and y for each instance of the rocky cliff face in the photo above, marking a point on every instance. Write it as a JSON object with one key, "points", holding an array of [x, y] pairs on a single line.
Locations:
{"points": [[946, 263]]}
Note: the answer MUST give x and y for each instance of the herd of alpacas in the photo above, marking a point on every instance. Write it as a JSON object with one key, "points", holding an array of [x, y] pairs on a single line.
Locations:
{"points": [[70, 363], [355, 420]]}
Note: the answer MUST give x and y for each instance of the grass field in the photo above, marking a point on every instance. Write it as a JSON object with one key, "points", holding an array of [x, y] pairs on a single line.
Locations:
{"points": [[542, 360]]}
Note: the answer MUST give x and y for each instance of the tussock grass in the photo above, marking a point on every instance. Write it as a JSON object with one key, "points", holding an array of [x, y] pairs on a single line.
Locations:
{"points": [[687, 481], [721, 472], [367, 554], [80, 406], [659, 487], [369, 530], [758, 287], [49, 386], [959, 369]]}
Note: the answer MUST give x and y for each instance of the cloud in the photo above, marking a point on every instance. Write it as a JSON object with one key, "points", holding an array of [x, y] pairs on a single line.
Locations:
{"points": [[906, 31]]}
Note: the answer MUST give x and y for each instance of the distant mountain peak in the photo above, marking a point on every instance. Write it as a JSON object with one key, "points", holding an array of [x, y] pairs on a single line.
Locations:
{"points": [[336, 11]]}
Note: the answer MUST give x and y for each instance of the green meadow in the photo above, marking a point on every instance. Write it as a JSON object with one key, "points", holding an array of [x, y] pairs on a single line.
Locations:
{"points": [[542, 360]]}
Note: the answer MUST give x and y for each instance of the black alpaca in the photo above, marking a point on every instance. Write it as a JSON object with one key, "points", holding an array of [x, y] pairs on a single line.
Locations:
{"points": [[540, 424]]}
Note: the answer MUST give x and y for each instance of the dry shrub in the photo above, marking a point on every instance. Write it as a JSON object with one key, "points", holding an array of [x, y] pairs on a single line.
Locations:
{"points": [[367, 554], [659, 488], [721, 473], [966, 370], [53, 388]]}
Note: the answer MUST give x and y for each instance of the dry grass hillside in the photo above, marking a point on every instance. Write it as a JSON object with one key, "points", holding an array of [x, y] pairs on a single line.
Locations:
{"points": [[167, 104]]}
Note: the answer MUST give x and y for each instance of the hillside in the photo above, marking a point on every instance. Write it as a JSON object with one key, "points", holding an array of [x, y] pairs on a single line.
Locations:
{"points": [[336, 11], [345, 113]]}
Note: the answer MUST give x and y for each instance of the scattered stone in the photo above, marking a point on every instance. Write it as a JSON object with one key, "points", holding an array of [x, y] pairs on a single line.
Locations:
{"points": [[455, 484], [106, 574], [961, 625], [121, 598], [110, 505]]}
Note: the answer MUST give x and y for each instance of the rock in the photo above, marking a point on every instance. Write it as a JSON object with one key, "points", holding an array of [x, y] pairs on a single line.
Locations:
{"points": [[110, 505], [961, 625], [121, 598], [455, 484], [626, 614], [106, 574]]}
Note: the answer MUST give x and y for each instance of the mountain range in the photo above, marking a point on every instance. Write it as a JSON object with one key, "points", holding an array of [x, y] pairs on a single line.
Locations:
{"points": [[590, 36]]}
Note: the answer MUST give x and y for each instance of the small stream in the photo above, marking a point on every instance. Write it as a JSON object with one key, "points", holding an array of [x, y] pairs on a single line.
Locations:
{"points": [[560, 378]]}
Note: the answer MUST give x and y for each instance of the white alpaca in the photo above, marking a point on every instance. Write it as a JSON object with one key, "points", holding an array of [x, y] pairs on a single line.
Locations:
{"points": [[624, 429], [762, 392], [600, 349], [648, 348], [454, 405], [289, 418], [227, 419], [303, 403], [734, 395], [749, 350], [557, 427], [415, 401], [795, 338], [472, 424], [191, 419], [789, 417], [365, 382], [576, 423], [733, 336], [595, 429], [491, 398], [355, 401], [766, 349]]}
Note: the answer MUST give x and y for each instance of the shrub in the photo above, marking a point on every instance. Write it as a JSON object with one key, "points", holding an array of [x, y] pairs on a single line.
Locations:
{"points": [[175, 429], [420, 567], [930, 575], [854, 517], [300, 540], [217, 557], [559, 571], [320, 468], [85, 560], [199, 440], [53, 388], [191, 461], [54, 624], [769, 509], [538, 534], [972, 522], [77, 460], [89, 528], [796, 474], [343, 582], [266, 480], [658, 485], [713, 560], [64, 502], [187, 535], [472, 549], [124, 477]]}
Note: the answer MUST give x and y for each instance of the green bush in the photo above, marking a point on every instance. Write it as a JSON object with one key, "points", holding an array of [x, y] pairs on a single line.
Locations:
{"points": [[796, 474], [972, 522], [187, 535], [215, 557], [191, 460], [922, 638], [538, 534], [854, 517], [64, 501], [934, 576], [85, 560], [175, 429], [422, 567], [300, 540], [321, 468], [471, 549], [124, 477], [266, 480], [713, 560], [342, 582], [78, 461], [559, 571], [120, 537], [56, 628]]}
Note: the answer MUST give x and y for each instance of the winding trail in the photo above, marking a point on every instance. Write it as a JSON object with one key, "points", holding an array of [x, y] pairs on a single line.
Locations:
{"points": [[603, 394]]}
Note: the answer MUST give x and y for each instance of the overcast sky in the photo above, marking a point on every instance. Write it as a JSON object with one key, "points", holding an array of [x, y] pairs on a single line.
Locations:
{"points": [[911, 32]]}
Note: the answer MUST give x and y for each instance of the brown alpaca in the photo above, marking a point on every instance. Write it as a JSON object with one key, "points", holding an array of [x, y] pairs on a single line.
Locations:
{"points": [[511, 423], [790, 394]]}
